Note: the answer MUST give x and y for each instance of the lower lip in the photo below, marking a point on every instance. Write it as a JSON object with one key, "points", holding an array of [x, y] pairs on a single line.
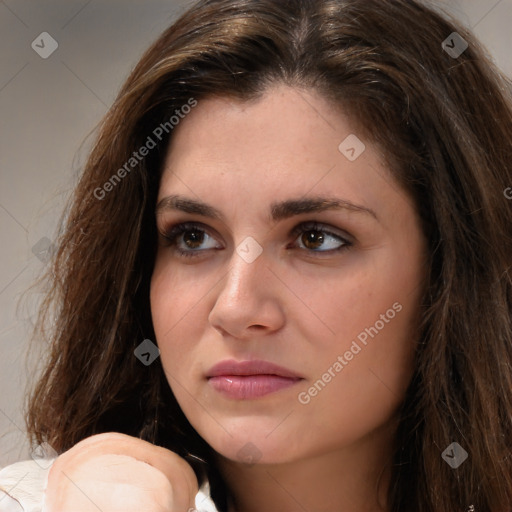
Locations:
{"points": [[250, 386]]}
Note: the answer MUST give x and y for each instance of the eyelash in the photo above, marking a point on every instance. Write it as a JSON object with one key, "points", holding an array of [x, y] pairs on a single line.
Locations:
{"points": [[172, 233]]}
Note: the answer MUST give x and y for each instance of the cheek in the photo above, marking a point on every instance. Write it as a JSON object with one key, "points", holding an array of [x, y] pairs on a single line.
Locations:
{"points": [[175, 310], [341, 308], [360, 385], [175, 304], [372, 315]]}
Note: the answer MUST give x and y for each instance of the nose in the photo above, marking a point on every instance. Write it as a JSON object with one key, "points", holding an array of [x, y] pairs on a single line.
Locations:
{"points": [[249, 300]]}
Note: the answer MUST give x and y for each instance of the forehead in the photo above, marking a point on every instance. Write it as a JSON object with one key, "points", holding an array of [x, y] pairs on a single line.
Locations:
{"points": [[287, 144], [283, 123]]}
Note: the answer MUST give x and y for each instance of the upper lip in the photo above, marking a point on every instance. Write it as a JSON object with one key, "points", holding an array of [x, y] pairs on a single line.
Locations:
{"points": [[253, 367]]}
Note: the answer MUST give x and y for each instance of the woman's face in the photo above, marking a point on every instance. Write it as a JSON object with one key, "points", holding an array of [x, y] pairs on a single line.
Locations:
{"points": [[300, 251]]}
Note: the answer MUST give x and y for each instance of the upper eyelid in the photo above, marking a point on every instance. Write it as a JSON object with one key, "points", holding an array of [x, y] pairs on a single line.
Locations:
{"points": [[321, 226]]}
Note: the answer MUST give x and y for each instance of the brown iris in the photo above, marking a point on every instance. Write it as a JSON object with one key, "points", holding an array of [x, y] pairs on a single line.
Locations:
{"points": [[193, 238], [312, 239]]}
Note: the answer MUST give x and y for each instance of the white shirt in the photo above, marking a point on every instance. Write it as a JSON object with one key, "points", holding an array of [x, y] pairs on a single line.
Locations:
{"points": [[22, 487]]}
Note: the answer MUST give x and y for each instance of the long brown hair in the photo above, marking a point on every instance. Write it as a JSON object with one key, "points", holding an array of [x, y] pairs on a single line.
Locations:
{"points": [[444, 122]]}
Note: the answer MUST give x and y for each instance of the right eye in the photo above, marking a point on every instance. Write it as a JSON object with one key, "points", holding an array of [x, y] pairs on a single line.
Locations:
{"points": [[188, 237]]}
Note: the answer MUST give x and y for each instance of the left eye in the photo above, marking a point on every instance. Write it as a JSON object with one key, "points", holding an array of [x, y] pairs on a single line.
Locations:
{"points": [[313, 236]]}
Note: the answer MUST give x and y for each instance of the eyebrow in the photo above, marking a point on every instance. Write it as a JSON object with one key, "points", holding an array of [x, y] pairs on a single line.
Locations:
{"points": [[278, 210]]}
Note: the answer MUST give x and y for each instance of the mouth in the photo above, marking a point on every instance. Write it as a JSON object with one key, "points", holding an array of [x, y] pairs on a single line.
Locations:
{"points": [[243, 380]]}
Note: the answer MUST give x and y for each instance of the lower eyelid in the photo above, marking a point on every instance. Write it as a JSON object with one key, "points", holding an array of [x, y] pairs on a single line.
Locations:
{"points": [[344, 244]]}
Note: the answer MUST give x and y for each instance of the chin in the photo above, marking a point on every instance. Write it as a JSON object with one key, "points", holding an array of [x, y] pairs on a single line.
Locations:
{"points": [[249, 440]]}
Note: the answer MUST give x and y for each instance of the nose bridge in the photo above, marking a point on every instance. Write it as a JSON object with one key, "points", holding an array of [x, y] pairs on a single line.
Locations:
{"points": [[246, 270], [247, 297]]}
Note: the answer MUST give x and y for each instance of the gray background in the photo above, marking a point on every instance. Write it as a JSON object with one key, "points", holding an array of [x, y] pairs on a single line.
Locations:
{"points": [[49, 108]]}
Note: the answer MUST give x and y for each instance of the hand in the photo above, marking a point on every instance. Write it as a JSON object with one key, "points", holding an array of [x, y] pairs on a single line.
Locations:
{"points": [[119, 473]]}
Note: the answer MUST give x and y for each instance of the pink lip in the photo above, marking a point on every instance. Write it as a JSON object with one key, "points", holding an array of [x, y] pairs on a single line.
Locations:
{"points": [[250, 379]]}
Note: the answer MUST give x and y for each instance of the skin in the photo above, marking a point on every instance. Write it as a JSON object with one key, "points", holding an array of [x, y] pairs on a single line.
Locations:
{"points": [[114, 472], [294, 305]]}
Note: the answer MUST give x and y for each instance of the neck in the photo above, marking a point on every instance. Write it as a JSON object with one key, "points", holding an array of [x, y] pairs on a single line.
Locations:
{"points": [[352, 479]]}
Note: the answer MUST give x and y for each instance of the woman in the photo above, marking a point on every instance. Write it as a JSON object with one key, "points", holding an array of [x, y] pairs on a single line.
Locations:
{"points": [[303, 205]]}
